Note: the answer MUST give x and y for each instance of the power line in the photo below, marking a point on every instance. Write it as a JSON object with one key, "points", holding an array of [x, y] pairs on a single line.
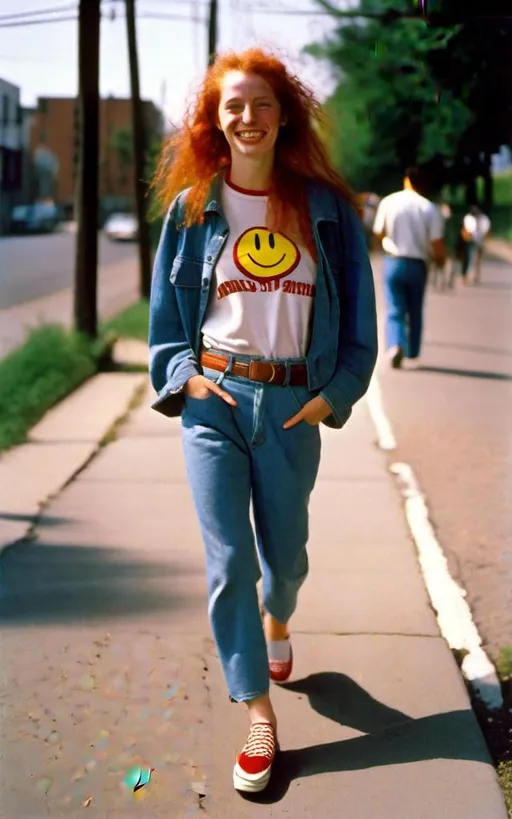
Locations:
{"points": [[23, 18], [20, 15], [24, 15], [290, 11], [74, 17], [163, 16], [179, 2], [38, 22]]}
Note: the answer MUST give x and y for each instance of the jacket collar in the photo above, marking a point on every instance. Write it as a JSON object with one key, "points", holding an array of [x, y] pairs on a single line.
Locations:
{"points": [[322, 201]]}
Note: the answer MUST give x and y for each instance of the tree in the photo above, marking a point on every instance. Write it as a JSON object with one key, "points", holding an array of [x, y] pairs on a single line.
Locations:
{"points": [[121, 141], [408, 93]]}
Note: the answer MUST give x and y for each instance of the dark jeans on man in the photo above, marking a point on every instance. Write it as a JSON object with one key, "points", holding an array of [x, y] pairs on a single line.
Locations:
{"points": [[405, 281]]}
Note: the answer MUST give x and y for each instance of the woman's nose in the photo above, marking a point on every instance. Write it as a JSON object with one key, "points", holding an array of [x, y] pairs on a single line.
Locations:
{"points": [[248, 115]]}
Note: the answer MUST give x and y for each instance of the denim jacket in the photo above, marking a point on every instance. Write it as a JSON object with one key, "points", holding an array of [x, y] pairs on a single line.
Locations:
{"points": [[343, 339]]}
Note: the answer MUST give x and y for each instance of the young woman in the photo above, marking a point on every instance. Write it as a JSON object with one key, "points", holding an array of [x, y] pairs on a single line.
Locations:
{"points": [[262, 326]]}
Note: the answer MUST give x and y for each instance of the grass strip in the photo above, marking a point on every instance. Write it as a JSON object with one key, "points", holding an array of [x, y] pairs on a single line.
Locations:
{"points": [[51, 364], [505, 777], [131, 323], [48, 366]]}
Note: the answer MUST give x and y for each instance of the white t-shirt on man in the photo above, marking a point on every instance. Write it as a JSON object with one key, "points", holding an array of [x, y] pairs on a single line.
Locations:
{"points": [[410, 222], [263, 287], [477, 226]]}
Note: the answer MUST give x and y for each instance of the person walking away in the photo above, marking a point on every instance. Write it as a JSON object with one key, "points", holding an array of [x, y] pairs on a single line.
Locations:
{"points": [[439, 276], [475, 228], [262, 326], [411, 229]]}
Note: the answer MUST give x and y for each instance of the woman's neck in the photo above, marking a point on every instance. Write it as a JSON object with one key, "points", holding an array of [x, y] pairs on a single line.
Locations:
{"points": [[252, 176]]}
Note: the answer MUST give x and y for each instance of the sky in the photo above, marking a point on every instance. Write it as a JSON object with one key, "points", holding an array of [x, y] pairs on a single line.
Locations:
{"points": [[42, 59]]}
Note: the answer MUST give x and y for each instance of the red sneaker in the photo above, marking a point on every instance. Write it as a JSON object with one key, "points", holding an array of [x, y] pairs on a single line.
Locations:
{"points": [[253, 766], [280, 670]]}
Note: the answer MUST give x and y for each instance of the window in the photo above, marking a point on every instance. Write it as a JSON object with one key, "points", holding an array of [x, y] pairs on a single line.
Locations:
{"points": [[5, 110]]}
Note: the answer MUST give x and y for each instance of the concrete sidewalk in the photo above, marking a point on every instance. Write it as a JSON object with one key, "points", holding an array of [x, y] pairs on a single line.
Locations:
{"points": [[499, 248], [107, 659]]}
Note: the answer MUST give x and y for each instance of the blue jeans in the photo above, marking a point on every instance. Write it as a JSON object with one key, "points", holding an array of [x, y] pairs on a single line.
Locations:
{"points": [[234, 455], [405, 281]]}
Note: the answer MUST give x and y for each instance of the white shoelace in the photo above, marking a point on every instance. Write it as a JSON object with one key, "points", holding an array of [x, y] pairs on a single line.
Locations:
{"points": [[261, 741]]}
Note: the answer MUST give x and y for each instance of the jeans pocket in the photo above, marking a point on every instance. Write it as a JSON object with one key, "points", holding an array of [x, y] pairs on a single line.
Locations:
{"points": [[301, 396], [201, 400]]}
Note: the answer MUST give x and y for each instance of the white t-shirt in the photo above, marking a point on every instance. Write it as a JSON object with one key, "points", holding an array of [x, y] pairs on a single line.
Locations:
{"points": [[263, 287], [410, 223], [477, 226]]}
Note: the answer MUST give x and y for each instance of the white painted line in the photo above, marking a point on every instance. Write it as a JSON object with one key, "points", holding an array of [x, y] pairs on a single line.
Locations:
{"points": [[448, 598], [384, 431]]}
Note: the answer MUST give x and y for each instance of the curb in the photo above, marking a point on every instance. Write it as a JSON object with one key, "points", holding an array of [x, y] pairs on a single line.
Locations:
{"points": [[33, 473], [448, 598]]}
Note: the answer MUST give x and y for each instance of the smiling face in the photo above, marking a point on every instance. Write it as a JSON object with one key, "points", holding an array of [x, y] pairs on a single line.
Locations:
{"points": [[262, 255], [249, 114]]}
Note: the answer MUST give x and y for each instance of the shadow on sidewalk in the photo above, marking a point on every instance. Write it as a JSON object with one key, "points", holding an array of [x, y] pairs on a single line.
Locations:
{"points": [[473, 348], [466, 373], [393, 738], [42, 583], [43, 520]]}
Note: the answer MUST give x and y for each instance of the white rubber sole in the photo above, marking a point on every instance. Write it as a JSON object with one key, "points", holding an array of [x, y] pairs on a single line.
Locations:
{"points": [[250, 783]]}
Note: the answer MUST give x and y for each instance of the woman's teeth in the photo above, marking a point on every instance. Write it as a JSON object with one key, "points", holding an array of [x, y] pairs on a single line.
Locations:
{"points": [[250, 134]]}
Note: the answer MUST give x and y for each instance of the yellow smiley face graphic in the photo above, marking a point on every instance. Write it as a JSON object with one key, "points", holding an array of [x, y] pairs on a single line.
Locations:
{"points": [[262, 255]]}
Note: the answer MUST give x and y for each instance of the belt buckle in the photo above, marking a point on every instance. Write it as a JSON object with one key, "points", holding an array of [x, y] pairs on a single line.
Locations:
{"points": [[274, 372]]}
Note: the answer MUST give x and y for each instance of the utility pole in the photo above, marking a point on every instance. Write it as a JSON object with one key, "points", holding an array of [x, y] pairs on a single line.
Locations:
{"points": [[86, 204], [212, 32], [139, 155]]}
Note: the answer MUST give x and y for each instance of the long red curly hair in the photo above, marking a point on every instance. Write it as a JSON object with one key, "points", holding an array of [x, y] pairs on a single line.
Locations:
{"points": [[195, 154]]}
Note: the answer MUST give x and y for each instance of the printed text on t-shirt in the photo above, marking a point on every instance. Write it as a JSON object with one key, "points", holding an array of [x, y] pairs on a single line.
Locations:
{"points": [[244, 286]]}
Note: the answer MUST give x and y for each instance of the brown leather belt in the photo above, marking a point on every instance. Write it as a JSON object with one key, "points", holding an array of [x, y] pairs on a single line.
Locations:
{"points": [[265, 371]]}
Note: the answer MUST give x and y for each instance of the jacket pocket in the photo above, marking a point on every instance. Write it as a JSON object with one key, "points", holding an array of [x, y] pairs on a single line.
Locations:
{"points": [[186, 272]]}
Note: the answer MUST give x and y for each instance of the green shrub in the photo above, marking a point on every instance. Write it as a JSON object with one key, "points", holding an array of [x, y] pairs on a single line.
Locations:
{"points": [[33, 378]]}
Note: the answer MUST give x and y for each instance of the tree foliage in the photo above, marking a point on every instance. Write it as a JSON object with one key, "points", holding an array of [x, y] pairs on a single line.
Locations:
{"points": [[408, 92]]}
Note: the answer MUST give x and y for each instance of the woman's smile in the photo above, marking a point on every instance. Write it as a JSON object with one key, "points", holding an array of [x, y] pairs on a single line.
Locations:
{"points": [[250, 135]]}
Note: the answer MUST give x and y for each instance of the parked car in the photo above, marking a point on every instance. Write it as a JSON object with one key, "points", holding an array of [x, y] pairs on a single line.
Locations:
{"points": [[41, 217], [121, 227]]}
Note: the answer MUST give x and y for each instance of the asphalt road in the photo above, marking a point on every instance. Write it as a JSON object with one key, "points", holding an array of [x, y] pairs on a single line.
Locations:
{"points": [[36, 276], [452, 419], [35, 266]]}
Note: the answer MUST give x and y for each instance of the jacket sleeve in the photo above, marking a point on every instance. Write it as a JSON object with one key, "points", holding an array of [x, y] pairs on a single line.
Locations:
{"points": [[357, 345], [171, 360]]}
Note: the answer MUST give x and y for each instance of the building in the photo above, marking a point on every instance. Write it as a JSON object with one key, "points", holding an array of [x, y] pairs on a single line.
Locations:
{"points": [[54, 142], [11, 152]]}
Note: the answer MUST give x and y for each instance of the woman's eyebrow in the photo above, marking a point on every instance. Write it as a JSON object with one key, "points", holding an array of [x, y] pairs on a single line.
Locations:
{"points": [[265, 97]]}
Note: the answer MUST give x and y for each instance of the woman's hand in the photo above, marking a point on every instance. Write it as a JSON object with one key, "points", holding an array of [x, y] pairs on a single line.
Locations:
{"points": [[198, 387], [312, 413]]}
